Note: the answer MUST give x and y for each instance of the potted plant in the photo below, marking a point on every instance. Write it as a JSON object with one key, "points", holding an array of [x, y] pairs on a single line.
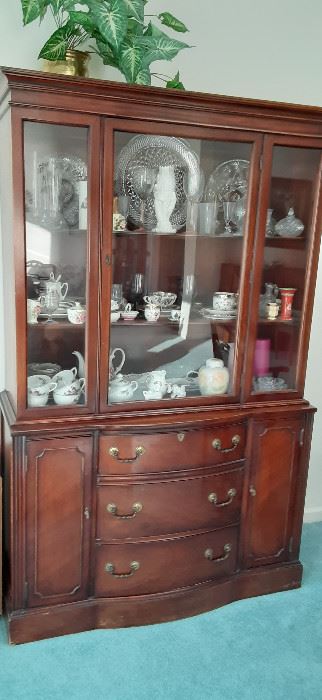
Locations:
{"points": [[121, 32]]}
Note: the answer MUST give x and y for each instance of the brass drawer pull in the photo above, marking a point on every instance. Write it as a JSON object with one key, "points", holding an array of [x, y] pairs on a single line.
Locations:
{"points": [[112, 509], [213, 498], [216, 443], [109, 568], [114, 452], [209, 554]]}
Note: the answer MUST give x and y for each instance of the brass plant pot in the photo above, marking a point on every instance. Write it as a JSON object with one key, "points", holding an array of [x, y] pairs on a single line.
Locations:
{"points": [[75, 63]]}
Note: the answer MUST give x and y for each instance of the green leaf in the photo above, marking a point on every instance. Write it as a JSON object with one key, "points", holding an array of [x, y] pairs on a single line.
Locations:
{"points": [[169, 20], [143, 77], [31, 9], [135, 9], [84, 20], [130, 61], [158, 45], [175, 83], [56, 46], [111, 20], [134, 27], [106, 53]]}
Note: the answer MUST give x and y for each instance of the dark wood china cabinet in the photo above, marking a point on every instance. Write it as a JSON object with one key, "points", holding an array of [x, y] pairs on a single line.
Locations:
{"points": [[160, 253]]}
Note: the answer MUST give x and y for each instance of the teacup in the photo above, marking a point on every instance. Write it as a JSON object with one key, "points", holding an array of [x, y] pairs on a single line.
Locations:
{"points": [[65, 377], [69, 393], [33, 310], [153, 395], [224, 301], [115, 315], [39, 386], [175, 315]]}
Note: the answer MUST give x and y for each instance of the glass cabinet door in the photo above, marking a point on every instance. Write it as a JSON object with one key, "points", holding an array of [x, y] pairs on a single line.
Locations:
{"points": [[55, 174], [178, 244], [289, 230]]}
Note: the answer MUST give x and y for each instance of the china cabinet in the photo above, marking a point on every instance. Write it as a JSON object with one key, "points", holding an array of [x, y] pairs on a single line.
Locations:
{"points": [[159, 260]]}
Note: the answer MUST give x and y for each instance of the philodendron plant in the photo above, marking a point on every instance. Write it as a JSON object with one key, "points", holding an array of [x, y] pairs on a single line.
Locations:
{"points": [[124, 36]]}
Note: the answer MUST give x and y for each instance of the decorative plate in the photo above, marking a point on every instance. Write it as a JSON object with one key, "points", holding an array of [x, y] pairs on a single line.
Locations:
{"points": [[152, 152], [228, 182]]}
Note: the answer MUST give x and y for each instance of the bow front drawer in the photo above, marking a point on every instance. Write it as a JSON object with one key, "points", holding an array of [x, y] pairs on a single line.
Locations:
{"points": [[165, 565], [134, 510], [162, 452]]}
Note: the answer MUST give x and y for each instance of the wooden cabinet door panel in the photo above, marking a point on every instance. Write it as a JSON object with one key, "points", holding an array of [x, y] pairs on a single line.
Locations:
{"points": [[274, 463], [58, 519]]}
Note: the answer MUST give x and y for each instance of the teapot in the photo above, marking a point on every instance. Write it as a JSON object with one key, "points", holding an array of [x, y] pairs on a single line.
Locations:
{"points": [[120, 389], [113, 371]]}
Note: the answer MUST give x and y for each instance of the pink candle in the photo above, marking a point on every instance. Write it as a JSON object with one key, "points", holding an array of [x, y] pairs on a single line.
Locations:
{"points": [[261, 357]]}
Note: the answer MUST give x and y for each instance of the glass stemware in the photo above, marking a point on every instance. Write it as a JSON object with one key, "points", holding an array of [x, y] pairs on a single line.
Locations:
{"points": [[229, 209], [144, 178]]}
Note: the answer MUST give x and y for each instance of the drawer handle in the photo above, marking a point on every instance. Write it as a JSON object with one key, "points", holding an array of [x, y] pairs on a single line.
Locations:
{"points": [[234, 441], [213, 498], [114, 452], [209, 554], [110, 569], [112, 508]]}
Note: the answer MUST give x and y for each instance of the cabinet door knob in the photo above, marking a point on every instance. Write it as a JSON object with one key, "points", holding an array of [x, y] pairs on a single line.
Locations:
{"points": [[114, 452], [216, 443], [112, 509], [110, 569], [252, 490], [212, 498], [209, 554]]}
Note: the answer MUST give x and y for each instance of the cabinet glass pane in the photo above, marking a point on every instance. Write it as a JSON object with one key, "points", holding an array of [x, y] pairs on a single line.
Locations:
{"points": [[55, 161], [287, 243], [178, 237]]}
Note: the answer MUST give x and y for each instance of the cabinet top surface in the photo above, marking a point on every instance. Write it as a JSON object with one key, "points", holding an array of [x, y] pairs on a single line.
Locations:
{"points": [[16, 78]]}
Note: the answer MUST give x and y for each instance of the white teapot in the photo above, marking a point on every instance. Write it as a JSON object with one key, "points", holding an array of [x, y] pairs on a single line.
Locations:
{"points": [[121, 390]]}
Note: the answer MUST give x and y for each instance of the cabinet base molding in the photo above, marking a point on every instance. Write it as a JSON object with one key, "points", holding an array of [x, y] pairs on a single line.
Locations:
{"points": [[34, 625]]}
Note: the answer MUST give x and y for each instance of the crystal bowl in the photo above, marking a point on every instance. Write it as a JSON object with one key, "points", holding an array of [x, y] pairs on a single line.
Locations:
{"points": [[163, 299]]}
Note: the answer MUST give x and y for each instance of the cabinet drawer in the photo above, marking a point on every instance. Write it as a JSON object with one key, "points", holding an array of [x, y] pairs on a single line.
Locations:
{"points": [[142, 453], [164, 565], [162, 507]]}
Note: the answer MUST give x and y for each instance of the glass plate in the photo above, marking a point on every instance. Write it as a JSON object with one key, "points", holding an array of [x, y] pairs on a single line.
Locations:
{"points": [[152, 152], [228, 182]]}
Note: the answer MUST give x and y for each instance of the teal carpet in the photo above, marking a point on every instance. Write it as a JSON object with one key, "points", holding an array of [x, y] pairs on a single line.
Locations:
{"points": [[265, 648]]}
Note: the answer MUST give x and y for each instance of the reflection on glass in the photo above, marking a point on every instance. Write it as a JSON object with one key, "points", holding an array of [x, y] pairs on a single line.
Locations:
{"points": [[55, 161], [179, 275], [287, 241]]}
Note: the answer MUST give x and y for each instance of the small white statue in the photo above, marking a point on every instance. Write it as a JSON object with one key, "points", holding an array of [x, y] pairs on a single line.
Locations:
{"points": [[165, 198]]}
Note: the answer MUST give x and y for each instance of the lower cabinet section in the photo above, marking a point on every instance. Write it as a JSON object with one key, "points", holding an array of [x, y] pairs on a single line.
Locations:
{"points": [[58, 505], [165, 565], [91, 547]]}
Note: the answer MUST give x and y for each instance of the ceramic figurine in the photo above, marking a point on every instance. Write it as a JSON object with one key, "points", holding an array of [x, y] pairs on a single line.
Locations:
{"points": [[213, 378], [165, 198]]}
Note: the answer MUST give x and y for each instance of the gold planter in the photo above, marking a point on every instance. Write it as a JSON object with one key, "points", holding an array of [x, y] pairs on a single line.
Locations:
{"points": [[75, 63]]}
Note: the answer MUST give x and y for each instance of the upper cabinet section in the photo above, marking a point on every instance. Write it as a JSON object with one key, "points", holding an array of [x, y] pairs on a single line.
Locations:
{"points": [[165, 246], [179, 235]]}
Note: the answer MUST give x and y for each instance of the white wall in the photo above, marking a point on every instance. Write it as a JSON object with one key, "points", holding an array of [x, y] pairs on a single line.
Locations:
{"points": [[251, 48]]}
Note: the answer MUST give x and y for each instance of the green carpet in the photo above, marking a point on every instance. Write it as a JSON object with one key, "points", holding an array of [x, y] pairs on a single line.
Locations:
{"points": [[265, 648]]}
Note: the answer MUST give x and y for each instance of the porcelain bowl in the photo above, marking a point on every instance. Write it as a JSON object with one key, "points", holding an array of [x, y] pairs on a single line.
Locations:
{"points": [[129, 315], [77, 316]]}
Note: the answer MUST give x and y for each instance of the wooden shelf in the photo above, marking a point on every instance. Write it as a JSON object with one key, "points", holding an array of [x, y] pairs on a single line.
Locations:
{"points": [[293, 242], [177, 234], [56, 325]]}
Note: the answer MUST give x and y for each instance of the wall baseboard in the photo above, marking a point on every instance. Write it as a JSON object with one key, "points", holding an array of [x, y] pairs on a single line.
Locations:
{"points": [[312, 515]]}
